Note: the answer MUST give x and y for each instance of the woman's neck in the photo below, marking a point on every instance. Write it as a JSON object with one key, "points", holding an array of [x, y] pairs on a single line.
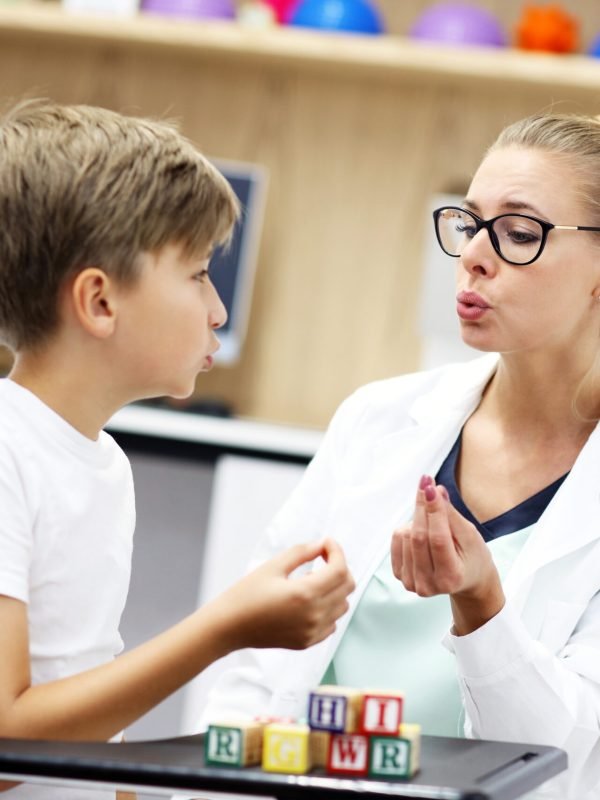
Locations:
{"points": [[532, 393]]}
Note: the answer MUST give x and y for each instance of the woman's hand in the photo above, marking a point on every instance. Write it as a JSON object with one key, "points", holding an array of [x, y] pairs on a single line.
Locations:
{"points": [[440, 552]]}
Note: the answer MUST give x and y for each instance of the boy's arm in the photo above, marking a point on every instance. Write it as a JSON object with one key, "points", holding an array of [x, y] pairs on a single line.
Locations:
{"points": [[267, 608]]}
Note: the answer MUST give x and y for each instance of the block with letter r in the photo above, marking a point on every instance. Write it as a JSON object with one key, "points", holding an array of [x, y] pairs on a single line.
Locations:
{"points": [[334, 708], [233, 744], [395, 756]]}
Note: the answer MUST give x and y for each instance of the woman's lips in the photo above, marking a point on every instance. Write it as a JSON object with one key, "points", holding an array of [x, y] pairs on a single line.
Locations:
{"points": [[470, 306]]}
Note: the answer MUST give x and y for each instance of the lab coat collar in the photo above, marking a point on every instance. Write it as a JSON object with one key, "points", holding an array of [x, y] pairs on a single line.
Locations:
{"points": [[458, 391], [570, 522]]}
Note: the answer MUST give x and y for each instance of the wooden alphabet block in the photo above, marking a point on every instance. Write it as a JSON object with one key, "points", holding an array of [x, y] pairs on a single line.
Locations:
{"points": [[395, 756], [335, 709], [319, 748], [381, 713], [411, 732], [286, 748], [348, 754], [233, 744]]}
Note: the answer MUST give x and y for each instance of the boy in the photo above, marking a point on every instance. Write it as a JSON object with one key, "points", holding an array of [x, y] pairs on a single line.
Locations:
{"points": [[105, 298]]}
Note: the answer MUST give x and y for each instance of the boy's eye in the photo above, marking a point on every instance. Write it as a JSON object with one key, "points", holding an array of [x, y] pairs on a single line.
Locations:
{"points": [[202, 276]]}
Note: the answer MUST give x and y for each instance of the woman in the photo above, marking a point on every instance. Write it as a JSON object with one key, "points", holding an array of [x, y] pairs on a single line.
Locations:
{"points": [[512, 533]]}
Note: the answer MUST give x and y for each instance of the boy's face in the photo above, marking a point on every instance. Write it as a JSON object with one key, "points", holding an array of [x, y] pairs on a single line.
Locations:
{"points": [[166, 324]]}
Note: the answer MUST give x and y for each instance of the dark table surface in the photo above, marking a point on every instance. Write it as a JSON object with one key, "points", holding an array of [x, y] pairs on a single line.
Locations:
{"points": [[451, 769]]}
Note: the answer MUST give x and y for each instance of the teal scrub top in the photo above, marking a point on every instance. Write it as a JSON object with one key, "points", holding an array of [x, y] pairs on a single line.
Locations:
{"points": [[393, 641]]}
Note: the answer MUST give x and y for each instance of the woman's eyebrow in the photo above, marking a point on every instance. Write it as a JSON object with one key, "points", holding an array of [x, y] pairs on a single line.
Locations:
{"points": [[508, 205]]}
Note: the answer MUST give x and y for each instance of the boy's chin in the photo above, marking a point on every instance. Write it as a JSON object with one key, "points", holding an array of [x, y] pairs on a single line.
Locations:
{"points": [[181, 392]]}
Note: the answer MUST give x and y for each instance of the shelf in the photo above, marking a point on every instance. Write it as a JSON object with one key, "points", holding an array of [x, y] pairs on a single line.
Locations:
{"points": [[227, 434], [389, 57]]}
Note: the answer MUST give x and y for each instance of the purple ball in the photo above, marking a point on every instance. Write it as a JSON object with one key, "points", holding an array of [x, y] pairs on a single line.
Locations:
{"points": [[459, 23], [215, 9]]}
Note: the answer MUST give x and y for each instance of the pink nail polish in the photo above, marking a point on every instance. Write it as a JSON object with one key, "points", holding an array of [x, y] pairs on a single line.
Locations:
{"points": [[429, 493], [426, 480]]}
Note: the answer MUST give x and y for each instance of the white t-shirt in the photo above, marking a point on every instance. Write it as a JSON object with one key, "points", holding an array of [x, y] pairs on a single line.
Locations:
{"points": [[66, 534]]}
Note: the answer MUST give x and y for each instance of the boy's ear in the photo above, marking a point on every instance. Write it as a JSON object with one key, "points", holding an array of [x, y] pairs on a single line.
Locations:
{"points": [[94, 302]]}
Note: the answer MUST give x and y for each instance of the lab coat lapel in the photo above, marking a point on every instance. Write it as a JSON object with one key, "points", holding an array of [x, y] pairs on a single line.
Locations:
{"points": [[570, 522], [401, 457]]}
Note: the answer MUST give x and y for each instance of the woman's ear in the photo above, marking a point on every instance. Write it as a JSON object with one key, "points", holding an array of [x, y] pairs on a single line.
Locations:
{"points": [[94, 302]]}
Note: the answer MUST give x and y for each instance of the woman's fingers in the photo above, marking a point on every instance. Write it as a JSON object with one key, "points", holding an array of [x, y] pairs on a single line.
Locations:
{"points": [[425, 556], [422, 561]]}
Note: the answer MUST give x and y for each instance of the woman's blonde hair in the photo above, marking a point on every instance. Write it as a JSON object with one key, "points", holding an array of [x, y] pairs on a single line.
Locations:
{"points": [[574, 138], [83, 186]]}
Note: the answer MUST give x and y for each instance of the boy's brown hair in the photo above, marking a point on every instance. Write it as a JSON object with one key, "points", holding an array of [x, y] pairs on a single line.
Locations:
{"points": [[83, 186]]}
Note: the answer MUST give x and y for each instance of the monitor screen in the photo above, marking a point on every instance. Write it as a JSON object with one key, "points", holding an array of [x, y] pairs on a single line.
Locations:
{"points": [[232, 269]]}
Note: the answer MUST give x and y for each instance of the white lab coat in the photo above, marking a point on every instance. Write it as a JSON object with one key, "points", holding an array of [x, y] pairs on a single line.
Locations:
{"points": [[531, 674]]}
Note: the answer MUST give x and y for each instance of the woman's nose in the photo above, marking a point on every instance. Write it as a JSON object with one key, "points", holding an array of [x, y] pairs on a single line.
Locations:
{"points": [[479, 256]]}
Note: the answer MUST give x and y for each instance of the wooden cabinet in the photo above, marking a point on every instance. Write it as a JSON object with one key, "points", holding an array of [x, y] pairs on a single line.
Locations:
{"points": [[357, 134]]}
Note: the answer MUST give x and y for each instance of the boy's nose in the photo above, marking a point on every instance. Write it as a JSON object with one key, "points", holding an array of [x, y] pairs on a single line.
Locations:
{"points": [[218, 312]]}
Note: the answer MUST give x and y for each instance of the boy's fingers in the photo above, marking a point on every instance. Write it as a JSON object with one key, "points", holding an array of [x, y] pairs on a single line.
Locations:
{"points": [[297, 555], [335, 572], [332, 575]]}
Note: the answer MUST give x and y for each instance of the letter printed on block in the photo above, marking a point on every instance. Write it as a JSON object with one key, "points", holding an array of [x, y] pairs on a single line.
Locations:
{"points": [[348, 754], [233, 744], [223, 746], [335, 709], [390, 757], [286, 748], [381, 713]]}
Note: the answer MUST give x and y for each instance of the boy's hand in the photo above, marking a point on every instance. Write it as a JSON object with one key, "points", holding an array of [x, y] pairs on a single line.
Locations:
{"points": [[440, 552], [270, 608]]}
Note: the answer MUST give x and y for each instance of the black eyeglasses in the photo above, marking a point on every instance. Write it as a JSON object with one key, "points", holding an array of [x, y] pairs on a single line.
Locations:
{"points": [[517, 238]]}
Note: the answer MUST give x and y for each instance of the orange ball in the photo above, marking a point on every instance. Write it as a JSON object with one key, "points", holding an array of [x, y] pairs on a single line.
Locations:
{"points": [[548, 28]]}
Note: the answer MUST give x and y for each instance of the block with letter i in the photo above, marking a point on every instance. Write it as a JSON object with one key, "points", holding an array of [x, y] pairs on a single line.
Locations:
{"points": [[233, 744], [286, 748], [335, 709], [395, 756], [381, 713], [348, 754]]}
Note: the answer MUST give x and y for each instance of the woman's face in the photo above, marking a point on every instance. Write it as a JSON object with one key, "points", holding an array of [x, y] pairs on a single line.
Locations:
{"points": [[550, 304]]}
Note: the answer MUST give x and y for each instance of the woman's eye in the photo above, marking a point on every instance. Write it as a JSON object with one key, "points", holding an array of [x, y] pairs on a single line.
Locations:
{"points": [[469, 230], [522, 237]]}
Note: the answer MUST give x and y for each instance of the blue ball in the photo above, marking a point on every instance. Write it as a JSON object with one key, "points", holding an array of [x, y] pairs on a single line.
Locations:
{"points": [[357, 16], [594, 49]]}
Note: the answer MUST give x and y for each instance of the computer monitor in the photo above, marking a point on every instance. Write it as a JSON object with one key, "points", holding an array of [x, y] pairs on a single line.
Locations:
{"points": [[233, 269]]}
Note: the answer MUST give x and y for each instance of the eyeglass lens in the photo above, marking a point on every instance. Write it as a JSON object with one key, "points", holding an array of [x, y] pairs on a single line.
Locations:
{"points": [[518, 239]]}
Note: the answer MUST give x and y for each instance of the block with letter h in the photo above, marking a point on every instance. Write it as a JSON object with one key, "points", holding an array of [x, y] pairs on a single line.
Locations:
{"points": [[335, 709]]}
